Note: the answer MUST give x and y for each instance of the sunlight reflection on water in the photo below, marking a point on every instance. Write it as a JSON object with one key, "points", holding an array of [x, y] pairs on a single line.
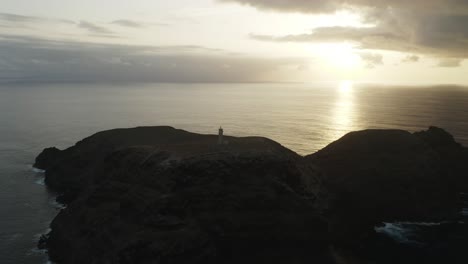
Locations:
{"points": [[344, 112]]}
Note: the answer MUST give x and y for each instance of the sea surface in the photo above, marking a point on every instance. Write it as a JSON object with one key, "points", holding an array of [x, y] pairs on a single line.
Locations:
{"points": [[302, 117]]}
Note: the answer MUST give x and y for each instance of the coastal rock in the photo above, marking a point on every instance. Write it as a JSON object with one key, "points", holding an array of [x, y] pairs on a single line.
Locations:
{"points": [[195, 202], [76, 169], [373, 176], [438, 138], [453, 156], [162, 195]]}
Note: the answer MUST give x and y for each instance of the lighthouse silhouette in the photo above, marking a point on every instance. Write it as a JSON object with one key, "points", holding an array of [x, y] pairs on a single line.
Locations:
{"points": [[220, 136]]}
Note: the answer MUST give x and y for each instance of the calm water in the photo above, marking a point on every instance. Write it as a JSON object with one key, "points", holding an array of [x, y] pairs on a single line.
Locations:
{"points": [[302, 117]]}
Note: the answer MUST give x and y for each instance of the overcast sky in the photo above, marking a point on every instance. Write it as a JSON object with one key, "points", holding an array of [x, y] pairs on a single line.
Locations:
{"points": [[398, 41]]}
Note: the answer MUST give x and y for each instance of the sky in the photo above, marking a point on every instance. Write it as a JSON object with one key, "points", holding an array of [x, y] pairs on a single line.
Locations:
{"points": [[370, 41]]}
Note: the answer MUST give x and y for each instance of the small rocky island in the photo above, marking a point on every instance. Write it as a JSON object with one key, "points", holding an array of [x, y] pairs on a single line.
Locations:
{"points": [[163, 195]]}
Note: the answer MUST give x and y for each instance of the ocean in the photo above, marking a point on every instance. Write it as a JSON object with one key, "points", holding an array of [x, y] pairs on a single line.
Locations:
{"points": [[302, 117]]}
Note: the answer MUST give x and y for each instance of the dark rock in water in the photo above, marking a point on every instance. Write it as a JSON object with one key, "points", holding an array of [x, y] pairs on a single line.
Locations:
{"points": [[385, 175], [162, 195], [185, 201]]}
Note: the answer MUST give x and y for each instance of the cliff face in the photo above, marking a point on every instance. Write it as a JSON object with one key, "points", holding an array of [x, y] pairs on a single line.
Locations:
{"points": [[161, 195]]}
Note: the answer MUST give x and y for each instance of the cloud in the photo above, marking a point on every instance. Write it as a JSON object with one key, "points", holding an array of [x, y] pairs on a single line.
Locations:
{"points": [[433, 27], [29, 59], [410, 59], [14, 21], [94, 29], [305, 6], [127, 23], [450, 63], [371, 60], [17, 18], [328, 6], [336, 34], [67, 21]]}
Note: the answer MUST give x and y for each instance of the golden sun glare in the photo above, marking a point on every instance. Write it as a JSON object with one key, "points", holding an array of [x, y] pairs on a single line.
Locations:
{"points": [[339, 55]]}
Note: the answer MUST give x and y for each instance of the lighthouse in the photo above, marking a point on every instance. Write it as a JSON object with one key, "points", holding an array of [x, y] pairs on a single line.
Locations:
{"points": [[220, 136]]}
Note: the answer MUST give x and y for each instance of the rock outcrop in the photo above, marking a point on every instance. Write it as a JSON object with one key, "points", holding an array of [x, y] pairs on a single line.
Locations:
{"points": [[453, 156], [72, 170], [48, 158], [162, 195], [374, 176]]}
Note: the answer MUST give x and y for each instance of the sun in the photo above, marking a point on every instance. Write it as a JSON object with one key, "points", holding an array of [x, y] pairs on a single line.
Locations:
{"points": [[339, 55]]}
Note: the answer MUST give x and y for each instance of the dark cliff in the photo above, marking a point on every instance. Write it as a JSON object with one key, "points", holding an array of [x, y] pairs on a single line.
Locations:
{"points": [[162, 195], [375, 176]]}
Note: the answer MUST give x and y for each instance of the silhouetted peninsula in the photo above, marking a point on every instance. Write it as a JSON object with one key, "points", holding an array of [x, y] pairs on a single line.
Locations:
{"points": [[163, 195]]}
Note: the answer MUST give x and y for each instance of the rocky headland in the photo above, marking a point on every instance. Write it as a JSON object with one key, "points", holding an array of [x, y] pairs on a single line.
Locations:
{"points": [[163, 195]]}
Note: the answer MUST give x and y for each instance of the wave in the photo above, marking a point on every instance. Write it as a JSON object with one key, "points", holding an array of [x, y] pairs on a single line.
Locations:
{"points": [[40, 181], [56, 204], [422, 223], [397, 231], [40, 173], [38, 236], [41, 252], [407, 232], [36, 170]]}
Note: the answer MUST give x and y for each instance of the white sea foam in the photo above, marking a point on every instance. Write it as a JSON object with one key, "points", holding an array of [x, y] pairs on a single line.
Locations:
{"points": [[404, 232], [38, 236], [37, 251], [423, 223], [40, 252], [56, 204], [36, 170], [40, 181], [396, 231]]}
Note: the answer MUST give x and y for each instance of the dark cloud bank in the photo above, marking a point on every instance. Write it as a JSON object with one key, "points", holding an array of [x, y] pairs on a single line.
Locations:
{"points": [[437, 28], [34, 60]]}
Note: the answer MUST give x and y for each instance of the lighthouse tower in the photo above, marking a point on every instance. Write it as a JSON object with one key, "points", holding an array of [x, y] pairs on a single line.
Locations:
{"points": [[220, 136]]}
